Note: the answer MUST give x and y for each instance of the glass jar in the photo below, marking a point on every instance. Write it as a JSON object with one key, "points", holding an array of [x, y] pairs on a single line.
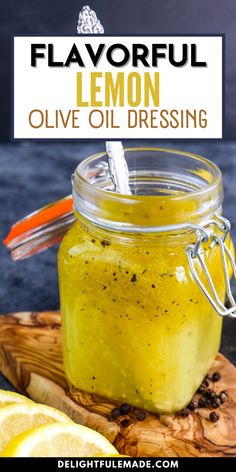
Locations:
{"points": [[137, 326]]}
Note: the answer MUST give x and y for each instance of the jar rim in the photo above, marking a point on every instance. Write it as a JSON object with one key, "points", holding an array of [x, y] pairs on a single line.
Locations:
{"points": [[211, 191], [197, 157]]}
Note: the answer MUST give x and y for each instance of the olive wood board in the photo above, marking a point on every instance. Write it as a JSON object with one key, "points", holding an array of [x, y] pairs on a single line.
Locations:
{"points": [[31, 359]]}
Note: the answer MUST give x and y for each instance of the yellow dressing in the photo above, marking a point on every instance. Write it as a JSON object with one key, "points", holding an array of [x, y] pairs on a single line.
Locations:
{"points": [[136, 326]]}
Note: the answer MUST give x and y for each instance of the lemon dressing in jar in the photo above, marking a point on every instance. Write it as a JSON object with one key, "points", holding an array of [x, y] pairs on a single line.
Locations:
{"points": [[137, 325]]}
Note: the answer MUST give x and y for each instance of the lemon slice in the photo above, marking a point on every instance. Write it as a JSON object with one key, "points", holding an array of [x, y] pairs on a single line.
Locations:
{"points": [[7, 398], [59, 440], [21, 417]]}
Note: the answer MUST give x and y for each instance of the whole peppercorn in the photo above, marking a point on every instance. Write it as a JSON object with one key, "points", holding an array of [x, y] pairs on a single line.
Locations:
{"points": [[225, 392], [115, 412], [192, 405], [214, 416], [125, 409], [210, 393], [206, 382], [201, 388], [223, 396], [216, 376], [215, 402], [125, 423], [202, 402], [140, 415], [185, 412]]}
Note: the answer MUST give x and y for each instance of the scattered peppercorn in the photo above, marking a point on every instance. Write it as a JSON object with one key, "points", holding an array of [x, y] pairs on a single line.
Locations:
{"points": [[192, 405], [225, 393], [210, 393], [222, 397], [140, 415], [115, 412], [184, 413], [125, 423], [202, 402], [207, 377], [216, 376], [93, 241], [206, 382], [214, 416], [215, 403], [153, 286], [201, 388], [125, 409]]}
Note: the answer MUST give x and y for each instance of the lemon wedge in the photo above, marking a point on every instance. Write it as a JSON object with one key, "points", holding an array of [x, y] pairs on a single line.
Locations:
{"points": [[59, 440], [7, 398], [21, 417]]}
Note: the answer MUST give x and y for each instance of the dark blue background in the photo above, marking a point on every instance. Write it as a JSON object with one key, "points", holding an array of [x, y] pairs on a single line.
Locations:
{"points": [[119, 17]]}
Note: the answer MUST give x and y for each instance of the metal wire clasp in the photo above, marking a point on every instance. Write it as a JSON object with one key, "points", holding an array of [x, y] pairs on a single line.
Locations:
{"points": [[195, 251]]}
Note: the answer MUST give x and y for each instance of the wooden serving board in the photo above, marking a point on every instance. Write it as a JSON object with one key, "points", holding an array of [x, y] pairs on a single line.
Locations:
{"points": [[31, 359]]}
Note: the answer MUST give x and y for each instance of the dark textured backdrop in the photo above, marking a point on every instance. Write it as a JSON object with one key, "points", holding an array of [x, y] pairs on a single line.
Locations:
{"points": [[119, 17], [32, 175]]}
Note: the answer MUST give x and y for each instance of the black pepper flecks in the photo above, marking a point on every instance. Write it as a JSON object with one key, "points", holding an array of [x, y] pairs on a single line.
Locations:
{"points": [[133, 278], [105, 242], [153, 286]]}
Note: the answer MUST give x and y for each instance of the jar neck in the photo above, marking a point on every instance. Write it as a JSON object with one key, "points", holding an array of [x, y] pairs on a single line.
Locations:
{"points": [[170, 192]]}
